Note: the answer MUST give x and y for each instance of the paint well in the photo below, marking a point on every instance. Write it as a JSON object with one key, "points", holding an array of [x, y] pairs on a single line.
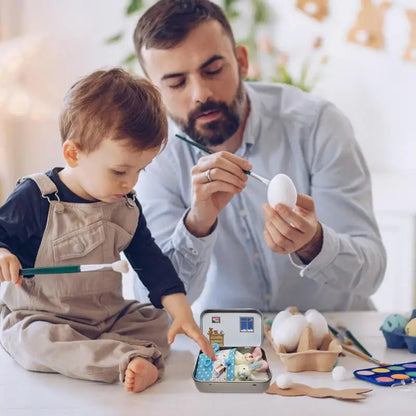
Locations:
{"points": [[396, 368], [400, 376], [365, 373], [381, 370], [384, 379]]}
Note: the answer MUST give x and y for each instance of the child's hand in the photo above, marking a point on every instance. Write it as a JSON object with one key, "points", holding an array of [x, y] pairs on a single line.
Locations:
{"points": [[9, 268], [184, 323], [191, 329]]}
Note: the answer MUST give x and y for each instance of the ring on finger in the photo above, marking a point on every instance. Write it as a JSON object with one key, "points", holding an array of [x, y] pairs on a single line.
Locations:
{"points": [[208, 175]]}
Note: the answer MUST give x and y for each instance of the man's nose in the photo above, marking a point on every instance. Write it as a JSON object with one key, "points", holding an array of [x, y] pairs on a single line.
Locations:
{"points": [[201, 91]]}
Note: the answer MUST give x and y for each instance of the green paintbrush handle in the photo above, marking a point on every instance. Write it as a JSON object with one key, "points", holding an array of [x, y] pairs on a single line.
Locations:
{"points": [[356, 342], [203, 148], [49, 270]]}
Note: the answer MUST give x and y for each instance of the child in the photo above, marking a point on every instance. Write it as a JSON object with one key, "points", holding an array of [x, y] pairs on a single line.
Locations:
{"points": [[79, 325]]}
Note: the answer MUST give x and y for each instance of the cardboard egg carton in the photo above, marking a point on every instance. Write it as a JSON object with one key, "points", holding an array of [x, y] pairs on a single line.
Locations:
{"points": [[307, 357]]}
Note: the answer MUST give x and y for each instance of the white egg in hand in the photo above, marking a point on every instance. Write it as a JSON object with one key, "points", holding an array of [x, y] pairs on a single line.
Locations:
{"points": [[281, 190]]}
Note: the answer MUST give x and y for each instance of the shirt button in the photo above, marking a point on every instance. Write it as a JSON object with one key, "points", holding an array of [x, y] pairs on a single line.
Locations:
{"points": [[194, 251], [256, 256], [267, 297], [243, 213]]}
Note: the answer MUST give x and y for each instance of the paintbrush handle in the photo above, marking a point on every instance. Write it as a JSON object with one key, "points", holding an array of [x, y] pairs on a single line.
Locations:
{"points": [[361, 354], [339, 336], [30, 272], [206, 150], [356, 342]]}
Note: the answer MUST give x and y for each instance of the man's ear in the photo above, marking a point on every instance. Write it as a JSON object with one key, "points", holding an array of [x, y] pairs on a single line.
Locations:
{"points": [[242, 59], [70, 151]]}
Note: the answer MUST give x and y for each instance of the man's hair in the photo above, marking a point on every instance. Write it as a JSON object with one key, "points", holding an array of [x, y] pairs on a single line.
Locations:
{"points": [[112, 104], [167, 23]]}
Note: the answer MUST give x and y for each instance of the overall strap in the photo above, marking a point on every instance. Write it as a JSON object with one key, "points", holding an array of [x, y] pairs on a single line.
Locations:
{"points": [[45, 184]]}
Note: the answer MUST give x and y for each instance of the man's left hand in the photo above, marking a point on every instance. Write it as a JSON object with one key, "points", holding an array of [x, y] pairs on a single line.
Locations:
{"points": [[295, 230]]}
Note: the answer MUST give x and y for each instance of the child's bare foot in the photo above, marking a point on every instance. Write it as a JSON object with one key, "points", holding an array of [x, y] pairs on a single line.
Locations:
{"points": [[139, 375]]}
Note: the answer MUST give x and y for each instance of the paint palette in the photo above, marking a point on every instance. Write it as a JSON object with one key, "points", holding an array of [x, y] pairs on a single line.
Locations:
{"points": [[392, 375]]}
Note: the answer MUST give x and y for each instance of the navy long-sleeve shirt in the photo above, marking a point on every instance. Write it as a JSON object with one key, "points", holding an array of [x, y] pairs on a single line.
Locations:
{"points": [[23, 220]]}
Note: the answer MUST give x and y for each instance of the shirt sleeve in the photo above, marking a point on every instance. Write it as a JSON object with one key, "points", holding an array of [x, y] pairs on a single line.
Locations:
{"points": [[22, 222], [165, 205], [352, 258], [153, 267]]}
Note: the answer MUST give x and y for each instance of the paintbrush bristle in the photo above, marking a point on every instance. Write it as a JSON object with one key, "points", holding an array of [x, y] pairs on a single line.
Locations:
{"points": [[121, 266]]}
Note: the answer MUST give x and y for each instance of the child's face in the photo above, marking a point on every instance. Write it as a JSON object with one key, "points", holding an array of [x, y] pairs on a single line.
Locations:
{"points": [[111, 170]]}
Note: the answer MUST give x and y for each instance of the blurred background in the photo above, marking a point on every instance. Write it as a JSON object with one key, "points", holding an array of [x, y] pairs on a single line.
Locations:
{"points": [[359, 54]]}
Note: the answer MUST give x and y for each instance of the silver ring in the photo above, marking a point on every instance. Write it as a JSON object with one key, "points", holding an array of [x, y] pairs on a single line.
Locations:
{"points": [[208, 175]]}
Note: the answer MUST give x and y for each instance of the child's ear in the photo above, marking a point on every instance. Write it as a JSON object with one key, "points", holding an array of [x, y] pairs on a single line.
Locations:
{"points": [[70, 151]]}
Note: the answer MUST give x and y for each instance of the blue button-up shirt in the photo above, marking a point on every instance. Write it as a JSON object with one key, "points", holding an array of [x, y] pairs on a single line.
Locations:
{"points": [[308, 139]]}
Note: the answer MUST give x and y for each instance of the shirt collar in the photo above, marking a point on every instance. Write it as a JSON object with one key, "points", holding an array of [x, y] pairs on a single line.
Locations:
{"points": [[253, 122]]}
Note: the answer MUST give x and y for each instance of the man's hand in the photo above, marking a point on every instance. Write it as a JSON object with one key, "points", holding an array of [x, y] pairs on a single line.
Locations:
{"points": [[215, 180], [9, 268], [294, 231]]}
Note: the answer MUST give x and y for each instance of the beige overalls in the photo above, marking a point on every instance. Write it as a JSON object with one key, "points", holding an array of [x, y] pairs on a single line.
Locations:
{"points": [[79, 324]]}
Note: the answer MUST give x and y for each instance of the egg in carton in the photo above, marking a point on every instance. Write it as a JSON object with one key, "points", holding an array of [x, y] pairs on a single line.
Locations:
{"points": [[304, 342]]}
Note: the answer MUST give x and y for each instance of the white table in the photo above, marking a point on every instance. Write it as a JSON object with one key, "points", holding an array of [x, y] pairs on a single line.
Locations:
{"points": [[34, 394]]}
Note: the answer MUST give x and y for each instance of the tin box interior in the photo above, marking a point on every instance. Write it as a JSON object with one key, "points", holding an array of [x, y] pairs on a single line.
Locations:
{"points": [[234, 328]]}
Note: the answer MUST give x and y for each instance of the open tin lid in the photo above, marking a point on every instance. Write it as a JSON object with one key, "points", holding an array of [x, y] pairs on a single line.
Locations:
{"points": [[233, 327]]}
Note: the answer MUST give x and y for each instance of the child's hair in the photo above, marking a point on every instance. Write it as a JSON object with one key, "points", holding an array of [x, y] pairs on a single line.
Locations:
{"points": [[112, 104]]}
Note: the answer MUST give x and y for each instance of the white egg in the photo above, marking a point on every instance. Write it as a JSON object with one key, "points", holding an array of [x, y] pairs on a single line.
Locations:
{"points": [[278, 319], [281, 190], [318, 324], [289, 332]]}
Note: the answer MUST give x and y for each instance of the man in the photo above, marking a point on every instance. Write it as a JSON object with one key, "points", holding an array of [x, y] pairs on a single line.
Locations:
{"points": [[229, 247]]}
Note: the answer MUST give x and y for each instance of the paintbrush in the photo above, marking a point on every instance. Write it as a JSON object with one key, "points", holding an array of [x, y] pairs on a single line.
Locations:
{"points": [[206, 150], [339, 336], [349, 335], [120, 266], [363, 356]]}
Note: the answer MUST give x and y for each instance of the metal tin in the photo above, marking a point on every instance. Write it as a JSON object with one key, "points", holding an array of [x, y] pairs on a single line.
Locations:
{"points": [[233, 328]]}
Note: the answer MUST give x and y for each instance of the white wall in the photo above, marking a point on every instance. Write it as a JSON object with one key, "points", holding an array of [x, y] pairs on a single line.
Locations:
{"points": [[375, 88], [72, 44]]}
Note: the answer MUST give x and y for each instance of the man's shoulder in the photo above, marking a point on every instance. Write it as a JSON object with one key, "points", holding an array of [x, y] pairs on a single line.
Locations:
{"points": [[284, 95], [287, 104]]}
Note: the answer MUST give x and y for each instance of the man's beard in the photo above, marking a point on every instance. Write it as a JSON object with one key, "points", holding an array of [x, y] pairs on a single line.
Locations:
{"points": [[218, 131]]}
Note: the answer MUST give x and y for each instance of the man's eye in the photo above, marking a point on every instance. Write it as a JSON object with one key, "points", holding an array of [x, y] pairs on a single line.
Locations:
{"points": [[177, 85], [213, 71], [118, 172]]}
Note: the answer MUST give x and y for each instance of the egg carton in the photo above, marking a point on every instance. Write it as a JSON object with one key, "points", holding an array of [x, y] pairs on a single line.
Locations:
{"points": [[307, 357], [399, 339]]}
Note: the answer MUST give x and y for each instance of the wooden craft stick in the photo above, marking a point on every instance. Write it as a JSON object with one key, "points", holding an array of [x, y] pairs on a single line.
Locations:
{"points": [[297, 389]]}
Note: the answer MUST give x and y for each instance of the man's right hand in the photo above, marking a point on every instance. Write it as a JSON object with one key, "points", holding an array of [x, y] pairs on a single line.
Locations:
{"points": [[215, 180], [9, 268]]}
